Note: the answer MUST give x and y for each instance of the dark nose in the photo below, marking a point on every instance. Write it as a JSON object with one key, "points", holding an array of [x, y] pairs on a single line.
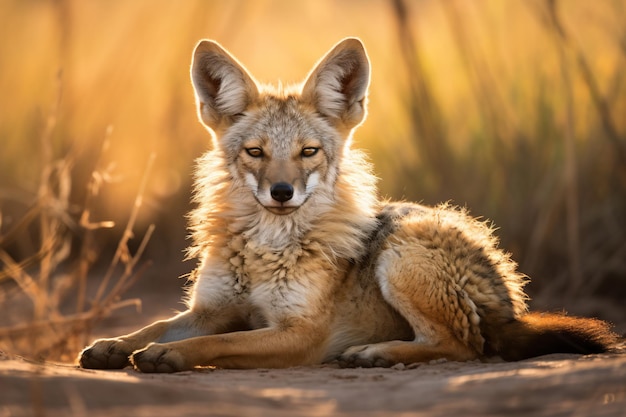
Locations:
{"points": [[281, 191]]}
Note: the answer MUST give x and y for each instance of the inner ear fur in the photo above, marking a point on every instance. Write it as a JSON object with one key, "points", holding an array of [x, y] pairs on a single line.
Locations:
{"points": [[223, 87], [337, 86]]}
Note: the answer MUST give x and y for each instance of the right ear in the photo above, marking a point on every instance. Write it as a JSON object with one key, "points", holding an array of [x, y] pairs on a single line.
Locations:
{"points": [[223, 87]]}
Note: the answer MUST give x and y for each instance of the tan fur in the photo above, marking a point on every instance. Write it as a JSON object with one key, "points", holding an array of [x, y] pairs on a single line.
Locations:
{"points": [[300, 263]]}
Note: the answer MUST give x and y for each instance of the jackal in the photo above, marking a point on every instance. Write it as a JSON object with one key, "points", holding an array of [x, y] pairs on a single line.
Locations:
{"points": [[300, 262]]}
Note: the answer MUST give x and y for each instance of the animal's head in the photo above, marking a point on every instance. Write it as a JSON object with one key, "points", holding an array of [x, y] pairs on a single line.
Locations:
{"points": [[283, 145]]}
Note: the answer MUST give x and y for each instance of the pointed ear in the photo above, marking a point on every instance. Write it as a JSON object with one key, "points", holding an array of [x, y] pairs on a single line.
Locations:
{"points": [[223, 86], [338, 84]]}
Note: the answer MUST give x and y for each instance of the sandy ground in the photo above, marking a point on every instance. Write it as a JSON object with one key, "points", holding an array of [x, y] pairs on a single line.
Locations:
{"points": [[554, 385]]}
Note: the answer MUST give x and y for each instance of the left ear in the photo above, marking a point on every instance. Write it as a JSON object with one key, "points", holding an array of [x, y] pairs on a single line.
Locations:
{"points": [[337, 86]]}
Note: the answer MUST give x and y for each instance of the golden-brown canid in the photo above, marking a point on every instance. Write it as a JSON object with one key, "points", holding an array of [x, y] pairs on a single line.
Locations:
{"points": [[301, 263]]}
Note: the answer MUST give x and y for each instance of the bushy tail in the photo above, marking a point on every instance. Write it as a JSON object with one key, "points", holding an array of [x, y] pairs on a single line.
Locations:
{"points": [[537, 334]]}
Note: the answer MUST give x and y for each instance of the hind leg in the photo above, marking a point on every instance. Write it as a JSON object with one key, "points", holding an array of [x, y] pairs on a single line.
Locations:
{"points": [[386, 354], [433, 340], [442, 316]]}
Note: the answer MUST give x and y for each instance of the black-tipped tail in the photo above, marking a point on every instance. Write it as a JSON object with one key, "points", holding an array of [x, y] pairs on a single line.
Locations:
{"points": [[537, 334]]}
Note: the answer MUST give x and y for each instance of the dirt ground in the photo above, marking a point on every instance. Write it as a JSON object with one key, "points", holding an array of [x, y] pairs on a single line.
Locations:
{"points": [[554, 385]]}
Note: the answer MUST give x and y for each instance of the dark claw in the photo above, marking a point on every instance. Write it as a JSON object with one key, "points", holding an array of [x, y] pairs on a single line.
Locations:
{"points": [[148, 366], [113, 358]]}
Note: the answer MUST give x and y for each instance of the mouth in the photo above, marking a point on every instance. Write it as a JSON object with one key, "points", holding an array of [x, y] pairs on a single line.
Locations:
{"points": [[277, 208], [281, 210]]}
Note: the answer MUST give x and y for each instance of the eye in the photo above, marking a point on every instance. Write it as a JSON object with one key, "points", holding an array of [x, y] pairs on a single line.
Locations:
{"points": [[309, 151], [255, 152]]}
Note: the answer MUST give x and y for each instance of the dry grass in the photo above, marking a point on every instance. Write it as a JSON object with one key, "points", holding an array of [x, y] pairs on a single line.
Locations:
{"points": [[53, 279], [554, 186]]}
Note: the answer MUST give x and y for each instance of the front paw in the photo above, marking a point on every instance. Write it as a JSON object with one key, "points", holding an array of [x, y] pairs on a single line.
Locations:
{"points": [[365, 356], [106, 354], [158, 358]]}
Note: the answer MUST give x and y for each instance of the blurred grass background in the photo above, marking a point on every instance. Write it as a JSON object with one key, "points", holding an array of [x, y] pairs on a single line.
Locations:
{"points": [[515, 109]]}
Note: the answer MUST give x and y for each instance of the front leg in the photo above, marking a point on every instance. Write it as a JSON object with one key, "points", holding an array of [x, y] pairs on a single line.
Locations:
{"points": [[212, 311], [114, 353], [300, 343]]}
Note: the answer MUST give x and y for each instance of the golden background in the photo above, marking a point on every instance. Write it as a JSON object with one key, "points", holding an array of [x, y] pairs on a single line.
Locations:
{"points": [[515, 109]]}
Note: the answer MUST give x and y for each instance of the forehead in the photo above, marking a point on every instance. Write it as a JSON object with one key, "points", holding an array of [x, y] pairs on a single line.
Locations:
{"points": [[279, 123], [284, 118]]}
